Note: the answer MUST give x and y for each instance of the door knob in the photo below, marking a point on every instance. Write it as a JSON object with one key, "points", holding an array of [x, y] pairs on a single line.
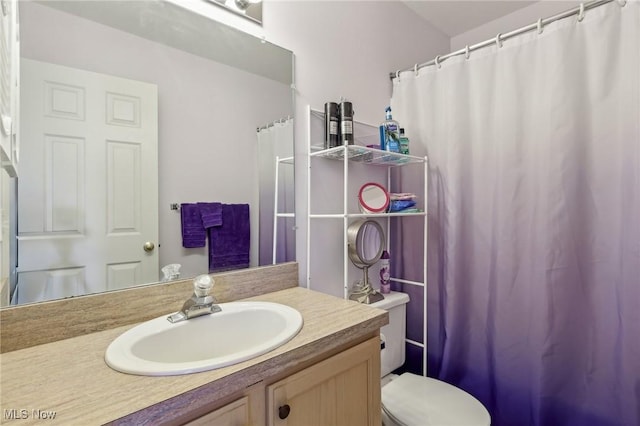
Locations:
{"points": [[283, 411], [148, 246]]}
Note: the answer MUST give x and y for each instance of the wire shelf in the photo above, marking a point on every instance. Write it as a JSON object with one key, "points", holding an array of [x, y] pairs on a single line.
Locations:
{"points": [[362, 154]]}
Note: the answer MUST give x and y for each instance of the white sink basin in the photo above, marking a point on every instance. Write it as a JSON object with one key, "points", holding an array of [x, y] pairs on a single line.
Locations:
{"points": [[241, 331]]}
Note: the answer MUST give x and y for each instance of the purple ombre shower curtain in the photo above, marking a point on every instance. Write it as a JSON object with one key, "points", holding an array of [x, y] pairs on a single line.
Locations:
{"points": [[534, 219]]}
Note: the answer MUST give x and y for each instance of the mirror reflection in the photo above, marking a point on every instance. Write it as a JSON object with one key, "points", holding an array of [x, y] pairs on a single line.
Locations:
{"points": [[129, 112]]}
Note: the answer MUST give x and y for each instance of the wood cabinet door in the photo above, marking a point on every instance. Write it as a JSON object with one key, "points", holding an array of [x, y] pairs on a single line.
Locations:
{"points": [[341, 390], [233, 414]]}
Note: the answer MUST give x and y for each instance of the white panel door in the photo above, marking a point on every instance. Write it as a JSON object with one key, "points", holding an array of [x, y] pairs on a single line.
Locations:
{"points": [[88, 187]]}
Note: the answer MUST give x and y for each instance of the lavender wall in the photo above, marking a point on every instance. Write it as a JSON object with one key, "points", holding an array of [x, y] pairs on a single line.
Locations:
{"points": [[512, 21], [344, 49]]}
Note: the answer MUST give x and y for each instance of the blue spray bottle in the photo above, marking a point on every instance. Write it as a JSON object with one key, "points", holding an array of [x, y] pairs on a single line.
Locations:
{"points": [[389, 133]]}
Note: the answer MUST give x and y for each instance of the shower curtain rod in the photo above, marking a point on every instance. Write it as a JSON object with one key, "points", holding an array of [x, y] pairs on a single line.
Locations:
{"points": [[273, 123], [539, 25]]}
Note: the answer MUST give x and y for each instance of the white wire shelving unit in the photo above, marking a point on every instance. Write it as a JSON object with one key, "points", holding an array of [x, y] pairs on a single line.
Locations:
{"points": [[370, 157]]}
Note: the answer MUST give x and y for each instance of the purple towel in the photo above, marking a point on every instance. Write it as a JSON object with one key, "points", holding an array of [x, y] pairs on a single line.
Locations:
{"points": [[193, 233], [211, 214], [229, 244], [196, 219]]}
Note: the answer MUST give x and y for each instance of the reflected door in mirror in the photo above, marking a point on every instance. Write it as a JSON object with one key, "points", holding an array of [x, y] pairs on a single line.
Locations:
{"points": [[87, 191]]}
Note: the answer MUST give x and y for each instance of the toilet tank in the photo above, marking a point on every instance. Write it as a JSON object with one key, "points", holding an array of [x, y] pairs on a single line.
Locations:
{"points": [[393, 334]]}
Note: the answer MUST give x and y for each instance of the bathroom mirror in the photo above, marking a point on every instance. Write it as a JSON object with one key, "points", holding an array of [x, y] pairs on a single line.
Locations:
{"points": [[373, 198], [215, 87]]}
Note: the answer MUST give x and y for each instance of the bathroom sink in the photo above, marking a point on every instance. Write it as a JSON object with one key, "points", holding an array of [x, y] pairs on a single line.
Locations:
{"points": [[240, 331]]}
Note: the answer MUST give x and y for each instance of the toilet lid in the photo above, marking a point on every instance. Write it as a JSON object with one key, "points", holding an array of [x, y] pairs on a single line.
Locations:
{"points": [[417, 400]]}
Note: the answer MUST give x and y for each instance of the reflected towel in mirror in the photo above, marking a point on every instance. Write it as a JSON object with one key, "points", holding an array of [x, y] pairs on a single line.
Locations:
{"points": [[211, 214], [196, 218], [193, 233], [229, 244]]}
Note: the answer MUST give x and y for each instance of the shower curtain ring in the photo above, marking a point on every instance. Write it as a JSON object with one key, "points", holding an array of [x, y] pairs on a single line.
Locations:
{"points": [[415, 69], [581, 13], [467, 52], [498, 41], [398, 75], [540, 28], [438, 62], [622, 3]]}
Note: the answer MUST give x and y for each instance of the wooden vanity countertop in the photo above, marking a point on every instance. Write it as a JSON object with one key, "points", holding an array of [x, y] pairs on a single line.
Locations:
{"points": [[69, 379]]}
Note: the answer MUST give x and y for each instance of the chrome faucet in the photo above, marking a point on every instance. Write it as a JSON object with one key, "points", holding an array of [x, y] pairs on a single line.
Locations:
{"points": [[200, 303]]}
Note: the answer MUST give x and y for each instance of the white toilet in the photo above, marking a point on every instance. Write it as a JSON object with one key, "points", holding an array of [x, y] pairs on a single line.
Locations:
{"points": [[414, 400]]}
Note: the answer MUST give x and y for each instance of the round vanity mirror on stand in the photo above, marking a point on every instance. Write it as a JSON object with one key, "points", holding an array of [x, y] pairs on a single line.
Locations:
{"points": [[373, 198], [366, 242]]}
